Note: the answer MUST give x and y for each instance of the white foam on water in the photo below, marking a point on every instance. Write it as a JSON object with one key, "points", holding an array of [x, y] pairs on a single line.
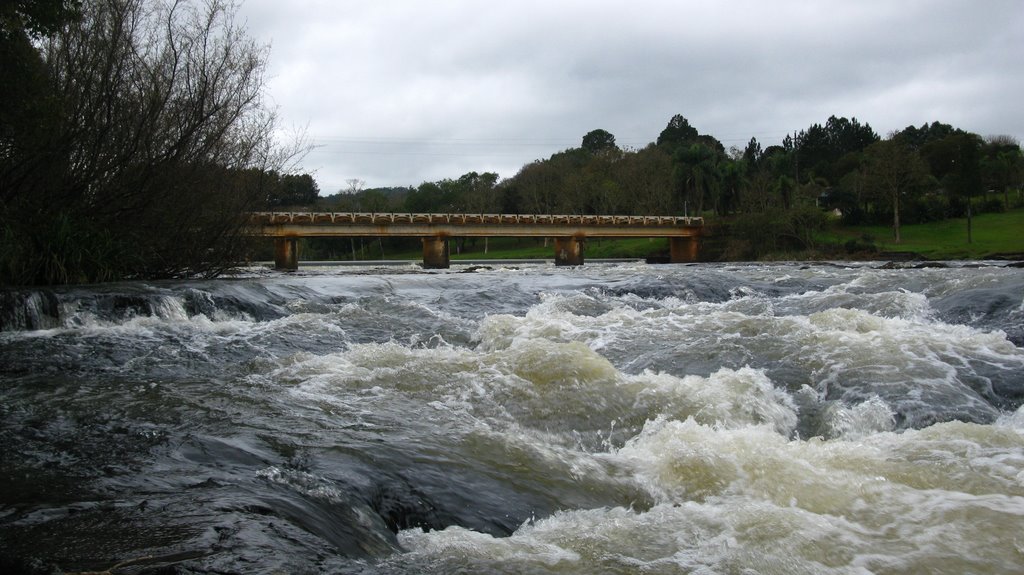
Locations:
{"points": [[303, 482], [898, 303], [922, 363], [733, 490], [915, 363], [1014, 420], [945, 499], [540, 383], [726, 399], [163, 312], [727, 536], [859, 420], [460, 547]]}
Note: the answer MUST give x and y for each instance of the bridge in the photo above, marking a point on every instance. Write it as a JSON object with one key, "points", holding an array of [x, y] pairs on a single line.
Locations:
{"points": [[570, 232]]}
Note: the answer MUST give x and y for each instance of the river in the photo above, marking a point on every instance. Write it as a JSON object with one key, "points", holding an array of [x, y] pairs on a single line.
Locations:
{"points": [[609, 418]]}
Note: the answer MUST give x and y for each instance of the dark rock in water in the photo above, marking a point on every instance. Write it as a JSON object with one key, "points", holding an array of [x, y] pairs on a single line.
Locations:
{"points": [[199, 302], [1018, 256], [906, 265], [29, 310], [258, 310], [474, 269], [402, 507], [18, 566], [127, 306], [901, 256]]}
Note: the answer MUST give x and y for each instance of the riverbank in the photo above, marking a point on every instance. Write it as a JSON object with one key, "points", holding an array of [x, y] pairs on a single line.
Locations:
{"points": [[993, 236]]}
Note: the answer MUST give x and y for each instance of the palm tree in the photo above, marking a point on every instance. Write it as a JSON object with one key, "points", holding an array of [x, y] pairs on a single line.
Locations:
{"points": [[697, 172]]}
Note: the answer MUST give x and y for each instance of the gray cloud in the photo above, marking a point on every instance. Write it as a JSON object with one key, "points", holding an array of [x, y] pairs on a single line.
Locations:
{"points": [[397, 92]]}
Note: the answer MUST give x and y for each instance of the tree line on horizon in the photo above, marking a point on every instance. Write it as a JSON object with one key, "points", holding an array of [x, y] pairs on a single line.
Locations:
{"points": [[772, 198]]}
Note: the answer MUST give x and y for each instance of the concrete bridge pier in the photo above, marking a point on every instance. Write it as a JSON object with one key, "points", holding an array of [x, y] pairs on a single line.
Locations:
{"points": [[435, 253], [682, 250], [569, 251], [286, 254]]}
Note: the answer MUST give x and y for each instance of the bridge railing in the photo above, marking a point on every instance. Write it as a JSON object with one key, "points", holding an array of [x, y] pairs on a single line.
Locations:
{"points": [[387, 218]]}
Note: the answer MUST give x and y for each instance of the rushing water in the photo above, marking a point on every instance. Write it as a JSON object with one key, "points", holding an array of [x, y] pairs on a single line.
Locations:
{"points": [[604, 419]]}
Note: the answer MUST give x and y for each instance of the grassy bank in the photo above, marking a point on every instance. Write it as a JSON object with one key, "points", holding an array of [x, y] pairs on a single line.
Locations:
{"points": [[992, 235]]}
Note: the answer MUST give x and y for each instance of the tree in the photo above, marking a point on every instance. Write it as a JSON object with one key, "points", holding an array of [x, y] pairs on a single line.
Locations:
{"points": [[697, 174], [733, 181], [478, 191], [895, 170], [677, 133], [848, 136], [785, 188], [426, 198], [752, 155], [148, 170], [597, 141], [373, 201], [762, 175], [645, 182], [291, 190], [956, 161], [37, 18], [355, 185], [918, 138], [762, 233], [28, 106], [849, 197], [536, 187], [819, 148], [1001, 164]]}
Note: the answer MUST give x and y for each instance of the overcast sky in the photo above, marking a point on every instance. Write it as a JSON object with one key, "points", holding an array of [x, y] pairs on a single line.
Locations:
{"points": [[398, 92]]}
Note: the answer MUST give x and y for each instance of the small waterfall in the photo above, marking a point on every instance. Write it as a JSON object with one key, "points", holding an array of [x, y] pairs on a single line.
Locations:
{"points": [[29, 310]]}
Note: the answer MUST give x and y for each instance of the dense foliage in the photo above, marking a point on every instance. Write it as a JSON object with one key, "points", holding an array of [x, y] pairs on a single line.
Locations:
{"points": [[767, 199], [133, 139]]}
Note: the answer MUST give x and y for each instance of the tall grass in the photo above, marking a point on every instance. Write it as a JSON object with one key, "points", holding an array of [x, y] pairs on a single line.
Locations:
{"points": [[60, 250]]}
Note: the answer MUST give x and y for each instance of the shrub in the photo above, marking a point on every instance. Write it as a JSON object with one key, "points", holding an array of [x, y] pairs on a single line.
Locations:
{"points": [[992, 205], [777, 230]]}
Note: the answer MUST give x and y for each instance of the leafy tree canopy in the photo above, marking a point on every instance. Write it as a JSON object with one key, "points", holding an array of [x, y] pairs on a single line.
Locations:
{"points": [[918, 138], [36, 17], [819, 147], [678, 132], [752, 153], [290, 190], [598, 140]]}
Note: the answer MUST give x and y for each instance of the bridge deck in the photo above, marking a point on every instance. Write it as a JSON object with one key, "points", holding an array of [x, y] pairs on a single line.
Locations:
{"points": [[347, 224]]}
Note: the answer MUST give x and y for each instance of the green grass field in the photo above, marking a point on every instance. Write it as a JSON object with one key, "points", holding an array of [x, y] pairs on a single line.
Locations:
{"points": [[991, 234]]}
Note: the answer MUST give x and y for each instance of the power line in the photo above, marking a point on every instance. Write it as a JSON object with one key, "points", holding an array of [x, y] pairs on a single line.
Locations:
{"points": [[524, 141]]}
